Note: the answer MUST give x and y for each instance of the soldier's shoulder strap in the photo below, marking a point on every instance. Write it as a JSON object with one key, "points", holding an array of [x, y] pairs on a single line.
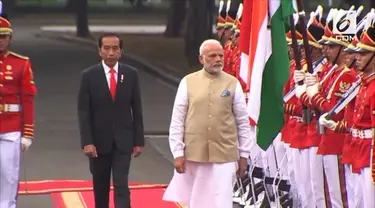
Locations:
{"points": [[18, 55]]}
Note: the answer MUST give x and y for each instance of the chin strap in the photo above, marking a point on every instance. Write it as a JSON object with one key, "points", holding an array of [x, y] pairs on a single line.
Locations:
{"points": [[368, 62], [337, 56]]}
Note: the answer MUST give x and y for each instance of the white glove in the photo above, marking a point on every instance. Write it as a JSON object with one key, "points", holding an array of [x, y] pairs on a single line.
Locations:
{"points": [[298, 76], [329, 124], [300, 89], [312, 90], [311, 79], [26, 143]]}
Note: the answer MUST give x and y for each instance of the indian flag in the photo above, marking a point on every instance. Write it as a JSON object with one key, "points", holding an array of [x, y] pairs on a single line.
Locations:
{"points": [[265, 64]]}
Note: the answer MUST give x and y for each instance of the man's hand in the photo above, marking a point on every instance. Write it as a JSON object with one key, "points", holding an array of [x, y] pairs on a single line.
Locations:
{"points": [[329, 124], [179, 164], [26, 143], [311, 79], [137, 151], [300, 89], [90, 150], [298, 76], [242, 165], [312, 90]]}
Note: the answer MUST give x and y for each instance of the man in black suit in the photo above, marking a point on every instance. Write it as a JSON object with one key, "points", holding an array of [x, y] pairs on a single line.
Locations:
{"points": [[110, 121]]}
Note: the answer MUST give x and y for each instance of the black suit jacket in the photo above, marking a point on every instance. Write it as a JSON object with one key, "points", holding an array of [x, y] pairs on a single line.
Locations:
{"points": [[104, 122]]}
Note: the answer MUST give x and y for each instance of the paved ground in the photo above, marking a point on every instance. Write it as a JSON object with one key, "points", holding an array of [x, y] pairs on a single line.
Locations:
{"points": [[55, 153]]}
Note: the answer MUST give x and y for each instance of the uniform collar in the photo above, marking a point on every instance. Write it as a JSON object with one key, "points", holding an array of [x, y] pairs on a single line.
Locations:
{"points": [[328, 64], [5, 54], [366, 79], [340, 68], [292, 62]]}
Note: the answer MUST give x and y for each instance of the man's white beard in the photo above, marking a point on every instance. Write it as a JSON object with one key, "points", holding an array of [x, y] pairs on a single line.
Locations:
{"points": [[214, 70]]}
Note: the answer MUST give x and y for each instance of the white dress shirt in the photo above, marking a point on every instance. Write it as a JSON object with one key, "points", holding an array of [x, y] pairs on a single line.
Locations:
{"points": [[108, 73], [177, 127]]}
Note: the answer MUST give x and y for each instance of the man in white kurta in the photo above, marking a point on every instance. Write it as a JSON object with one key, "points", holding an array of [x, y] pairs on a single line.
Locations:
{"points": [[209, 134]]}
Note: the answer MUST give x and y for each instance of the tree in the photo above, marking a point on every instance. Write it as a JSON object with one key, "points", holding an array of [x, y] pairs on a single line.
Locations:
{"points": [[198, 28], [70, 4], [176, 17], [82, 20]]}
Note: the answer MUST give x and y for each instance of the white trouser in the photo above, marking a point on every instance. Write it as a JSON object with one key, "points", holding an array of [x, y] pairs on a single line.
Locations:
{"points": [[10, 160], [276, 158], [358, 192], [293, 182], [289, 154], [335, 177], [317, 177], [368, 188], [304, 183], [350, 181], [297, 176]]}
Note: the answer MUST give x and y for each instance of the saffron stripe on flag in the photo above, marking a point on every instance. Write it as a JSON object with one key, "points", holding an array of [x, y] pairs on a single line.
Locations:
{"points": [[267, 64]]}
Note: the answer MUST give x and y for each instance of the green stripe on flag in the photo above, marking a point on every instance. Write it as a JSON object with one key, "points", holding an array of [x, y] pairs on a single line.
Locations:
{"points": [[275, 75]]}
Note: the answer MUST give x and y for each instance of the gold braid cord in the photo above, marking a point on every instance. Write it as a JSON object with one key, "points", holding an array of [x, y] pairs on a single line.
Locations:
{"points": [[373, 156]]}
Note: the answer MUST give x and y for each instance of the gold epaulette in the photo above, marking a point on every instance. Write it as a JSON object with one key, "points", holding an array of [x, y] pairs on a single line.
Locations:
{"points": [[18, 55]]}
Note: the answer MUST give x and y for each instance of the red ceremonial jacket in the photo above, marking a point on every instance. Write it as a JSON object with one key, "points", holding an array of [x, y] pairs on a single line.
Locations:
{"points": [[337, 85], [313, 137], [295, 130], [16, 88], [363, 119], [229, 51]]}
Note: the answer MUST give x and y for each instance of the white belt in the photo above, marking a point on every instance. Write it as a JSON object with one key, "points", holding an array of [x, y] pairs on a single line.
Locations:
{"points": [[10, 108], [362, 134], [299, 119]]}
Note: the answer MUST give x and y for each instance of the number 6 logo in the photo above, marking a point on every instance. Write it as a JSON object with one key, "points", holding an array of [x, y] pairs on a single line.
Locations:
{"points": [[345, 23]]}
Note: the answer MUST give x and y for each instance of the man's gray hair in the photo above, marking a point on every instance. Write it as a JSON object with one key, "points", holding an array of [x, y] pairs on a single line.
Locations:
{"points": [[205, 43]]}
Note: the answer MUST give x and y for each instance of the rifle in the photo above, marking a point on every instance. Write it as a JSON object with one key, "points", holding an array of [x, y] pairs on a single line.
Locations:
{"points": [[346, 98], [301, 13], [297, 57], [319, 63]]}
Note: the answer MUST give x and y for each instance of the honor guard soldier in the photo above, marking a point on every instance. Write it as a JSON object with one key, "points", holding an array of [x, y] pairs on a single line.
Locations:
{"points": [[236, 51], [220, 21], [323, 98], [310, 162], [351, 175], [228, 23], [228, 33], [17, 91], [286, 131], [362, 124], [293, 131], [290, 106]]}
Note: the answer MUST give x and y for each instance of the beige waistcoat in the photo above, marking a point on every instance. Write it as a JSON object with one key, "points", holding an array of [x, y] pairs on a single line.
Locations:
{"points": [[210, 126]]}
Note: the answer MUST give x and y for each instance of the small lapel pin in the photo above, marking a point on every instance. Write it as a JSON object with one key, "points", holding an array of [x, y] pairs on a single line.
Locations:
{"points": [[122, 78]]}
